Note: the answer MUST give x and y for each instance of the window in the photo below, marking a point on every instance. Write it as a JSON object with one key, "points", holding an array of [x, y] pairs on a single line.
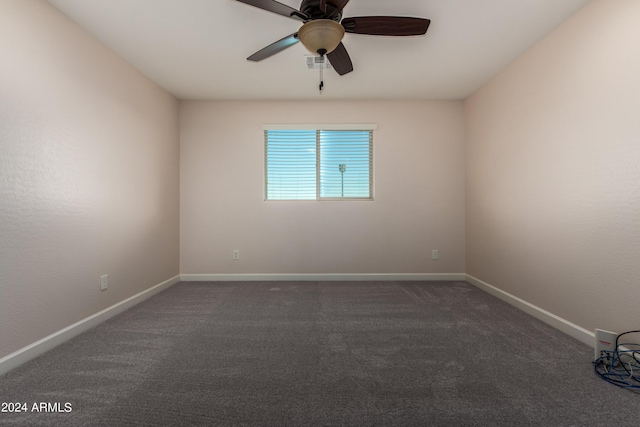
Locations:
{"points": [[318, 162]]}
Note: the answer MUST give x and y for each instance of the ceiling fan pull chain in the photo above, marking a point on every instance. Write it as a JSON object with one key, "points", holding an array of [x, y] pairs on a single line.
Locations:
{"points": [[321, 87]]}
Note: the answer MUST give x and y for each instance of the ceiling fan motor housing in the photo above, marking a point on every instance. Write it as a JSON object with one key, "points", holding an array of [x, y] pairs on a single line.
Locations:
{"points": [[311, 8]]}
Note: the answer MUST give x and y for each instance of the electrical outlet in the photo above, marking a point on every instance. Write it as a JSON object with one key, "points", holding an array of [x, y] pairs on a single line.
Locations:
{"points": [[435, 254], [104, 282], [236, 254]]}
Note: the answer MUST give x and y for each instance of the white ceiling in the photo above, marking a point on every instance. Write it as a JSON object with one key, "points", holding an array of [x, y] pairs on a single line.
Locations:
{"points": [[197, 49]]}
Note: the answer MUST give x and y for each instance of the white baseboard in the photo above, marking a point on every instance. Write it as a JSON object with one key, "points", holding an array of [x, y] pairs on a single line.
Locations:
{"points": [[551, 319], [34, 350], [448, 277]]}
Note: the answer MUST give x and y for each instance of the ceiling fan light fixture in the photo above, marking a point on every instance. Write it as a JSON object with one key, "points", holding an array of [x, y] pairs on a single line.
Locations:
{"points": [[321, 36]]}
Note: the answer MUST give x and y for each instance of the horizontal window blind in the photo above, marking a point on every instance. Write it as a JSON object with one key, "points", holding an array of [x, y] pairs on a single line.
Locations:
{"points": [[290, 164], [307, 164], [345, 164]]}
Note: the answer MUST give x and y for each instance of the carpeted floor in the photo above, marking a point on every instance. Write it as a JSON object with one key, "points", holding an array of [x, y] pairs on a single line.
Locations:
{"points": [[319, 353]]}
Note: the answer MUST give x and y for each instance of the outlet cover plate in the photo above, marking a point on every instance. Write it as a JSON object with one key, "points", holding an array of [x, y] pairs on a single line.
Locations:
{"points": [[104, 282]]}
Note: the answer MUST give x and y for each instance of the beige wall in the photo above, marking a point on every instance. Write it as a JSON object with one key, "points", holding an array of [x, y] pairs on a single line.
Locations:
{"points": [[419, 193], [88, 176], [553, 171]]}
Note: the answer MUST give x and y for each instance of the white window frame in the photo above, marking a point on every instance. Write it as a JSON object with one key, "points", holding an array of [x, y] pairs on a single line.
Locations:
{"points": [[319, 127]]}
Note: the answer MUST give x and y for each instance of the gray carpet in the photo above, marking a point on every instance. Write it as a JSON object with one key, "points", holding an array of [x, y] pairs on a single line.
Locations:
{"points": [[320, 353]]}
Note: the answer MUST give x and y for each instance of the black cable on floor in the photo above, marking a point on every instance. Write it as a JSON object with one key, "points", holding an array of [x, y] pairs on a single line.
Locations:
{"points": [[621, 366]]}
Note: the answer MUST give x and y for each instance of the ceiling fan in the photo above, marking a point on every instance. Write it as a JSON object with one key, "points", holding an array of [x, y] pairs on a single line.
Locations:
{"points": [[324, 28]]}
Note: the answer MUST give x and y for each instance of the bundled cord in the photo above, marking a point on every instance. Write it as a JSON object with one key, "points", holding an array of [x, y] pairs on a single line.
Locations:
{"points": [[621, 366]]}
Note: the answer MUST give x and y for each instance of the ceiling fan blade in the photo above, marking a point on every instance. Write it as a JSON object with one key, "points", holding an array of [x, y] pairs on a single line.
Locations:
{"points": [[276, 7], [340, 60], [274, 48], [386, 25], [335, 6]]}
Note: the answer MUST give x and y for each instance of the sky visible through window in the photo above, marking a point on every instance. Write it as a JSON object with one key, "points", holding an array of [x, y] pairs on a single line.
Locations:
{"points": [[299, 163]]}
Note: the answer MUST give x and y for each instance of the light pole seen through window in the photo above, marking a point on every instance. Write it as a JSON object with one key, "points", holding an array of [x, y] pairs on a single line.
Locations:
{"points": [[343, 169]]}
